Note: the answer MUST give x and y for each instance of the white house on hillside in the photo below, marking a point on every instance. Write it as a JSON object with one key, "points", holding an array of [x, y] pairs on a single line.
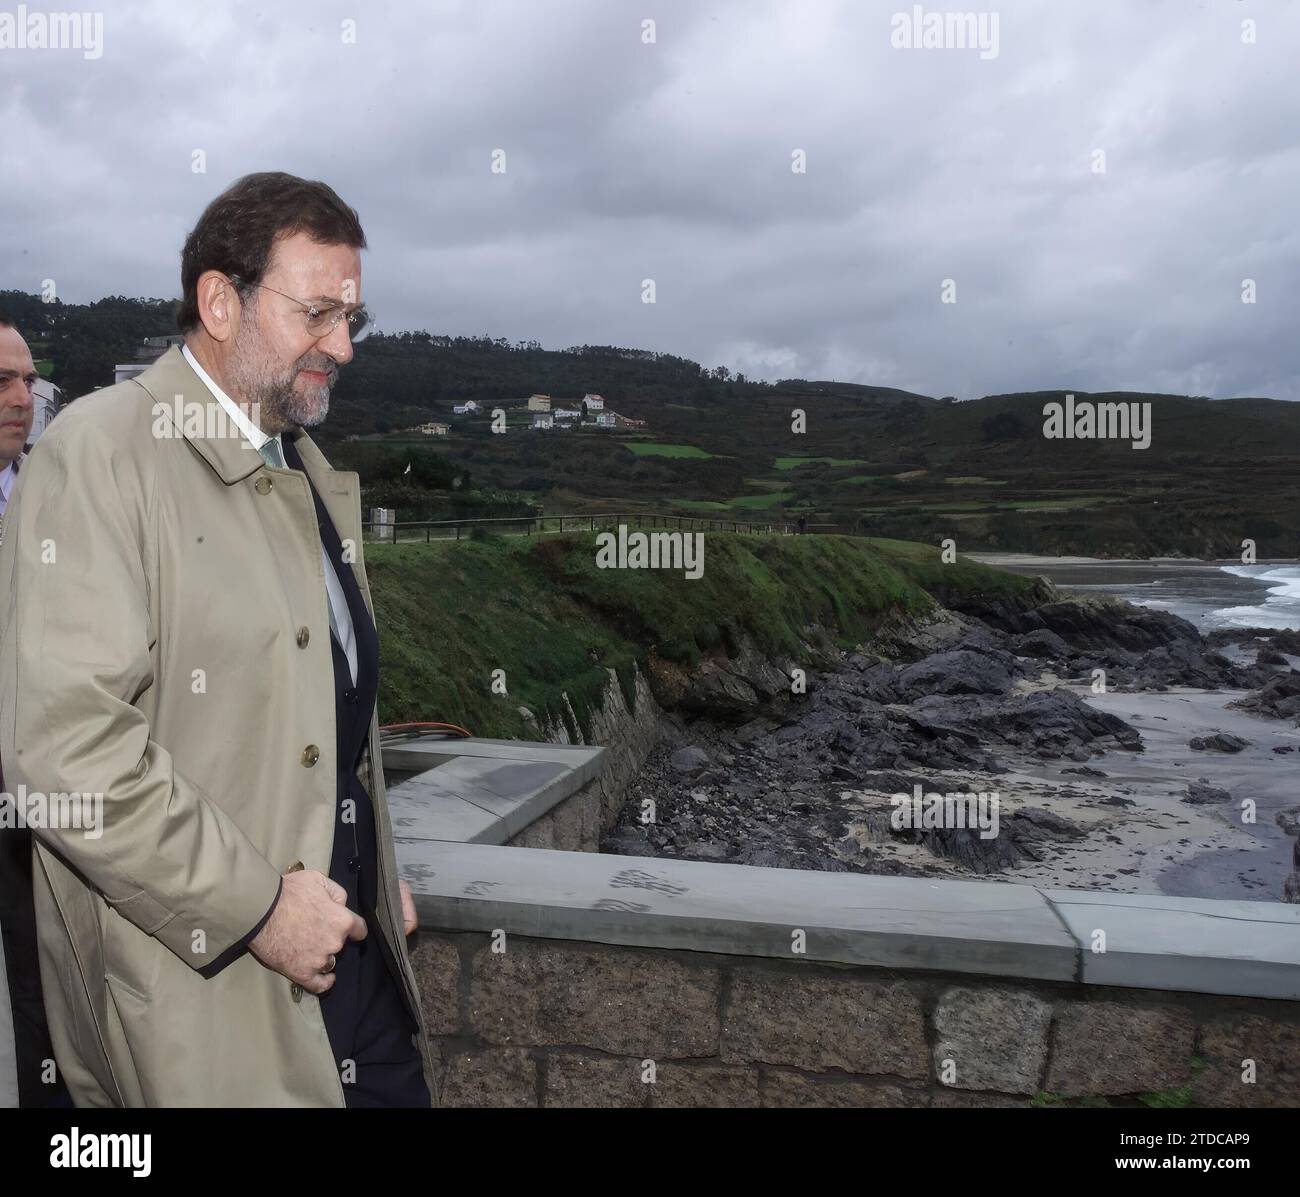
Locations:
{"points": [[592, 402], [543, 419]]}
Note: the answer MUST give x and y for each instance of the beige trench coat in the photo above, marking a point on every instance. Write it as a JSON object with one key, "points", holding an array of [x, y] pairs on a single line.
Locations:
{"points": [[164, 642]]}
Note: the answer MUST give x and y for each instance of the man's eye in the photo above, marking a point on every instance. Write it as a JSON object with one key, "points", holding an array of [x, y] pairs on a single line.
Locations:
{"points": [[314, 313]]}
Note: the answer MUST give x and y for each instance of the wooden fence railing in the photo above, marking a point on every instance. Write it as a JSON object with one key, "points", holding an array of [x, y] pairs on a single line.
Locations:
{"points": [[542, 525]]}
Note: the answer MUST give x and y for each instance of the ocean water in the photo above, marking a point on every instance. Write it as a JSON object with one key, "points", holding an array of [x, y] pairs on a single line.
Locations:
{"points": [[1209, 594], [1281, 605]]}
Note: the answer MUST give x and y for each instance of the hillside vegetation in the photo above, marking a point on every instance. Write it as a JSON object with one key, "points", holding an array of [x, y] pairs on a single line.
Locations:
{"points": [[873, 459], [451, 612]]}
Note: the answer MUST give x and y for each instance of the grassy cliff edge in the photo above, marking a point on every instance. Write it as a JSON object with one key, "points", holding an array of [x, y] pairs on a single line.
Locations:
{"points": [[452, 612]]}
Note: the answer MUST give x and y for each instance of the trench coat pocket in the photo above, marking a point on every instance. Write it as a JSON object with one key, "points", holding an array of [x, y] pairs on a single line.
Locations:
{"points": [[131, 959]]}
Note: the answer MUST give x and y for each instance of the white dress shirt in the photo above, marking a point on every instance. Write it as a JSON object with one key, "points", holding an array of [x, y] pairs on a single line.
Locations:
{"points": [[7, 478], [333, 587]]}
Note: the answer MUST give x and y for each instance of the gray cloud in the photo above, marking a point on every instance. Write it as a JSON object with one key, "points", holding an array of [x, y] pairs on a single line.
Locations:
{"points": [[671, 161]]}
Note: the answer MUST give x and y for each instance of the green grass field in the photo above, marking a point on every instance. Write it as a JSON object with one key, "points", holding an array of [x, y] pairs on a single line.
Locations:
{"points": [[740, 503], [758, 502], [702, 505], [659, 449], [790, 463]]}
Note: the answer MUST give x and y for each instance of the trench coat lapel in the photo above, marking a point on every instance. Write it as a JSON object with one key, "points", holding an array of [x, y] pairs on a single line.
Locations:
{"points": [[177, 390], [183, 406]]}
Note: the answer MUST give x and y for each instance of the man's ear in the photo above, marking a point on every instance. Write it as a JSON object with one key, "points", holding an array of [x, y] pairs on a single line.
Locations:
{"points": [[219, 305]]}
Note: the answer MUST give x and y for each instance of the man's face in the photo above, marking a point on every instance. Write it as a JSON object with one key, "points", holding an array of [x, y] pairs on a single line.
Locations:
{"points": [[275, 362], [17, 377]]}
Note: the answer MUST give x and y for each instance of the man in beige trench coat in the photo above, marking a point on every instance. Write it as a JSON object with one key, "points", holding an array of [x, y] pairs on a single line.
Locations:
{"points": [[186, 641]]}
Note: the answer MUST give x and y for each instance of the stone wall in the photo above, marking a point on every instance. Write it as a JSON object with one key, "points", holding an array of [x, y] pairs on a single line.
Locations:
{"points": [[554, 1022], [577, 823]]}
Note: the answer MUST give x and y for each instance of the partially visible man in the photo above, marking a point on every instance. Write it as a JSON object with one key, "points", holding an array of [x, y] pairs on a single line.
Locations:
{"points": [[17, 378], [34, 1080], [191, 645]]}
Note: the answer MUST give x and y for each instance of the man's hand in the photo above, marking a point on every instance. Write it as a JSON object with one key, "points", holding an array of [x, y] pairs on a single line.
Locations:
{"points": [[307, 929], [409, 921]]}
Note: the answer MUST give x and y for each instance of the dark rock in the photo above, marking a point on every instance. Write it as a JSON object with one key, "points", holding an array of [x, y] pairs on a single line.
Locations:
{"points": [[689, 760], [1042, 643], [964, 846], [957, 672], [703, 850], [1278, 698], [846, 738], [1289, 821], [1092, 624], [718, 693], [1283, 640], [1219, 742], [1057, 720], [1201, 793], [1037, 821]]}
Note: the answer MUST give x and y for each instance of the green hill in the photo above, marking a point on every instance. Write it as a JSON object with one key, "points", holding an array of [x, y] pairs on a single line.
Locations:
{"points": [[863, 458]]}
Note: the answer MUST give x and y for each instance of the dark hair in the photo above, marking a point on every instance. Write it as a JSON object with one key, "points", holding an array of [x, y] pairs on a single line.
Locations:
{"points": [[238, 230]]}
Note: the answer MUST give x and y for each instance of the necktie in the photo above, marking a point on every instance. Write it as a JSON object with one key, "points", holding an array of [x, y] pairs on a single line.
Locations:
{"points": [[270, 451], [272, 455]]}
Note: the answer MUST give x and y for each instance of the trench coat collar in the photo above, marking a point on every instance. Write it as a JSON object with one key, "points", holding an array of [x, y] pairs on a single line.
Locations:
{"points": [[175, 388]]}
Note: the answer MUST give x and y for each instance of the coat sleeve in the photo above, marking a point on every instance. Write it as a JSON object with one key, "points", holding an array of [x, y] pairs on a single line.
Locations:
{"points": [[167, 857]]}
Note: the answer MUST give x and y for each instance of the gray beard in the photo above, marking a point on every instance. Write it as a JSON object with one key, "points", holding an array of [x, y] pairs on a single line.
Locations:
{"points": [[283, 405], [278, 404]]}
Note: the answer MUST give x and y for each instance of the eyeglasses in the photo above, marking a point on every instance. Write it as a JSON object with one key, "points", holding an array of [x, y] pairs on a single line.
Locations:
{"points": [[323, 317]]}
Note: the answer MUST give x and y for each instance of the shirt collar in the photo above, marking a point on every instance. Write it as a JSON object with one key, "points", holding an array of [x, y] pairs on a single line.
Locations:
{"points": [[256, 436], [7, 476]]}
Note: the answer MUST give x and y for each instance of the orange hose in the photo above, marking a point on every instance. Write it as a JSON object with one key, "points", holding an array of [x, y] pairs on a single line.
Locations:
{"points": [[450, 727]]}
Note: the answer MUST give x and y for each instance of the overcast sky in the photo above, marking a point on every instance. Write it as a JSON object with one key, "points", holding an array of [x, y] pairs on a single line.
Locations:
{"points": [[671, 160]]}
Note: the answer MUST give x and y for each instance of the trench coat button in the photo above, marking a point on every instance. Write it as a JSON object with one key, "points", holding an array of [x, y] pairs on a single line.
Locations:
{"points": [[263, 485], [304, 634], [295, 991], [310, 755]]}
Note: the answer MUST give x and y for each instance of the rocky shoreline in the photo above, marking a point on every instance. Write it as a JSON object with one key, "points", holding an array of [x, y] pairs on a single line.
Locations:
{"points": [[1115, 737]]}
